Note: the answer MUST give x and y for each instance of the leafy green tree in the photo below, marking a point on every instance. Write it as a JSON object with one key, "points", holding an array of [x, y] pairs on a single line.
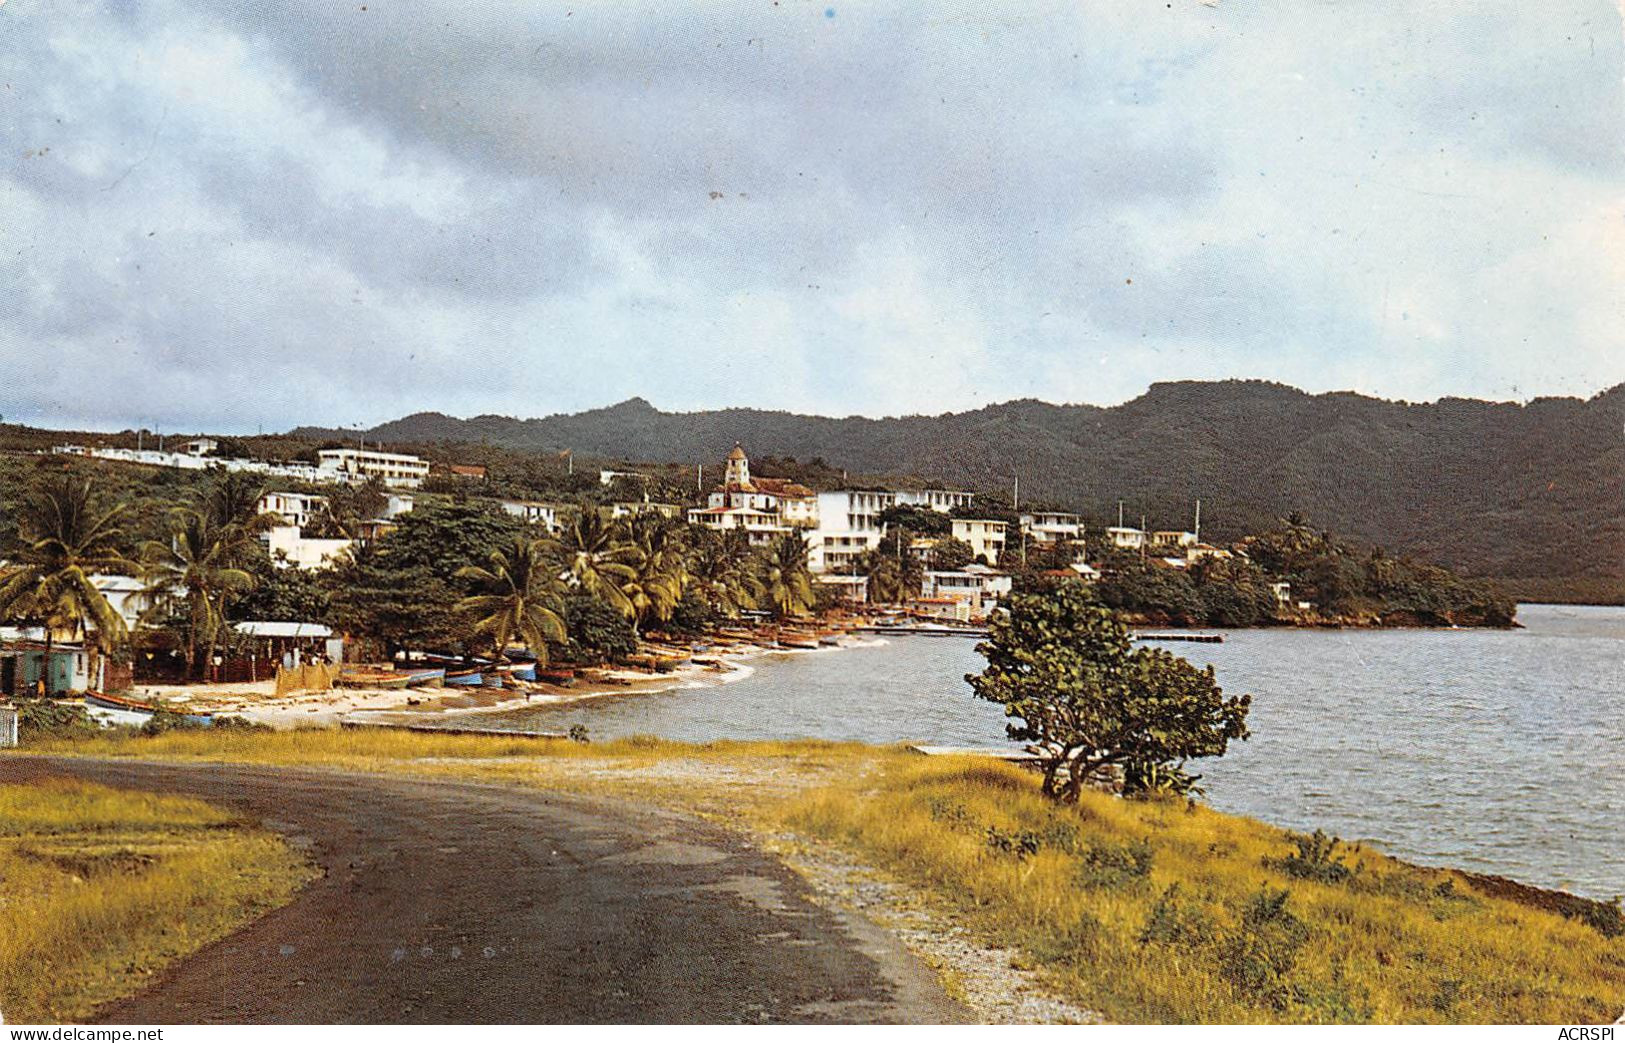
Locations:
{"points": [[519, 595], [65, 537], [1062, 668], [285, 595], [1152, 589], [597, 632], [921, 521], [950, 555]]}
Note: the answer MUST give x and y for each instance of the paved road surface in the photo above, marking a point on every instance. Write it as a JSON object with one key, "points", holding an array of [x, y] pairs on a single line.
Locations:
{"points": [[454, 902]]}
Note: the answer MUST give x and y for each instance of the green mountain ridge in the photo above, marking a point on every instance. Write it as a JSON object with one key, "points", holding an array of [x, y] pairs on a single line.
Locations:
{"points": [[1493, 488]]}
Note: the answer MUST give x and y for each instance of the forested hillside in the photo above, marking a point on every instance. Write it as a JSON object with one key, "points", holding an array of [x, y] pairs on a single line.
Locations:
{"points": [[1516, 491]]}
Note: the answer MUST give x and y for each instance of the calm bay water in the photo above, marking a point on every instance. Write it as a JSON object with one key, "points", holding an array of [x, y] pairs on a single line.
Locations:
{"points": [[1500, 751]]}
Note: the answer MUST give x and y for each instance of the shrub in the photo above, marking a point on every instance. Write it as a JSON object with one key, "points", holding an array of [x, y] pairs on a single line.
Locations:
{"points": [[166, 721], [1259, 955], [1315, 859], [1175, 921], [1115, 865], [47, 718]]}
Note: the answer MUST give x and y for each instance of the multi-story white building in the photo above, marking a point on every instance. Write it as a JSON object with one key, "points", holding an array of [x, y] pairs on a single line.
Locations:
{"points": [[297, 509], [394, 469], [943, 500], [986, 536], [1052, 526]]}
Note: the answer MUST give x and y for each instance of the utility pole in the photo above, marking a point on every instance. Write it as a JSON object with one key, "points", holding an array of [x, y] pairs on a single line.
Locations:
{"points": [[1198, 519], [1142, 537], [699, 478], [1015, 496], [1119, 514]]}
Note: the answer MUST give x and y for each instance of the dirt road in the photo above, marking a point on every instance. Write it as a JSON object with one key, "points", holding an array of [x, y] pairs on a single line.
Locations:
{"points": [[454, 902]]}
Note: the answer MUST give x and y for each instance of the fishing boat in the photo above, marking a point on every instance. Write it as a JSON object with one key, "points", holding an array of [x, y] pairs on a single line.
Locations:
{"points": [[524, 671], [561, 677], [373, 679], [117, 709], [429, 677], [466, 678], [798, 641]]}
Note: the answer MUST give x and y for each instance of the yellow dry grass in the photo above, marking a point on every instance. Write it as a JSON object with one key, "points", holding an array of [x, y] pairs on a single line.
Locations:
{"points": [[1137, 909], [104, 887]]}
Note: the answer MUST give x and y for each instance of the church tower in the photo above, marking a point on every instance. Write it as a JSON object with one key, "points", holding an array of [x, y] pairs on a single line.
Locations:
{"points": [[738, 471]]}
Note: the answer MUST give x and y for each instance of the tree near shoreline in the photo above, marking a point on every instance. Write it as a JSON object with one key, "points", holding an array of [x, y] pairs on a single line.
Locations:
{"points": [[1061, 666]]}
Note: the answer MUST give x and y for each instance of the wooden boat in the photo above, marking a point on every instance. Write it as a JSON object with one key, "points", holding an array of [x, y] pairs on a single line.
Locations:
{"points": [[117, 709], [426, 678], [524, 671], [373, 679], [464, 678], [798, 641], [559, 677]]}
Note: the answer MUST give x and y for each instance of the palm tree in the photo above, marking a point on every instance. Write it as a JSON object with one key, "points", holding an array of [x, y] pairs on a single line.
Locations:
{"points": [[598, 559], [787, 584], [662, 573], [519, 598], [65, 540], [719, 569], [201, 559]]}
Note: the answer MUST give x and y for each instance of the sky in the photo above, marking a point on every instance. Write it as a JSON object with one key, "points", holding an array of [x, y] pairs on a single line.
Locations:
{"points": [[245, 216]]}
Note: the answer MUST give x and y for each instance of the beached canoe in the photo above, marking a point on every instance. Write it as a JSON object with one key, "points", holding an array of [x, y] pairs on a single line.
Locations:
{"points": [[117, 709]]}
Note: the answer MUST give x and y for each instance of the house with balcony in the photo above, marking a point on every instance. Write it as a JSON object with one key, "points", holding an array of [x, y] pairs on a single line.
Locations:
{"points": [[979, 586], [1045, 527], [298, 509], [1125, 537]]}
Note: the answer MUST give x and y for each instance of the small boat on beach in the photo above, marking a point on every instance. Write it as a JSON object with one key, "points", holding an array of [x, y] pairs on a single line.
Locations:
{"points": [[117, 709], [373, 679], [803, 641], [559, 677], [468, 678]]}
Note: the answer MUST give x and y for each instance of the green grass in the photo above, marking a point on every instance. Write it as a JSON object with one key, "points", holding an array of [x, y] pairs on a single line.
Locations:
{"points": [[1146, 911], [104, 887]]}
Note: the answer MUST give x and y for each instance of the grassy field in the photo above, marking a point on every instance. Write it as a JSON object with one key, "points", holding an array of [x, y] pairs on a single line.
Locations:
{"points": [[1145, 911], [104, 887]]}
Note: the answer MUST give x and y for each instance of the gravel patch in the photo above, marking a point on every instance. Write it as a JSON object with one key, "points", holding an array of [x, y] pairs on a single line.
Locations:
{"points": [[986, 979]]}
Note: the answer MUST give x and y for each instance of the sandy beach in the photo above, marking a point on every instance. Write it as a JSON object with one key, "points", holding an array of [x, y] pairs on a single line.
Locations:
{"points": [[258, 701]]}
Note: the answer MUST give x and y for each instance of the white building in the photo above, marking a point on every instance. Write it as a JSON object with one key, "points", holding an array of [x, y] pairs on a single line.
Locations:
{"points": [[199, 447], [394, 469], [127, 595], [1052, 526], [765, 508], [289, 549], [298, 509], [847, 588], [1173, 539], [535, 512], [977, 585], [632, 508], [986, 536], [1126, 538], [943, 500], [397, 504]]}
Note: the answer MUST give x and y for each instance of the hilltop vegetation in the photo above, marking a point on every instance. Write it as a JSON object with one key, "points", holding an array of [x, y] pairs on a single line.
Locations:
{"points": [[1517, 492]]}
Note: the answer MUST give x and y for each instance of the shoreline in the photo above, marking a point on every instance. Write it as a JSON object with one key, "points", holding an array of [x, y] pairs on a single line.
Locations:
{"points": [[257, 703]]}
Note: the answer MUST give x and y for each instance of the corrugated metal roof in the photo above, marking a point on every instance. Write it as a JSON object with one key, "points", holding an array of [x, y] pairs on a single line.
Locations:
{"points": [[261, 628]]}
